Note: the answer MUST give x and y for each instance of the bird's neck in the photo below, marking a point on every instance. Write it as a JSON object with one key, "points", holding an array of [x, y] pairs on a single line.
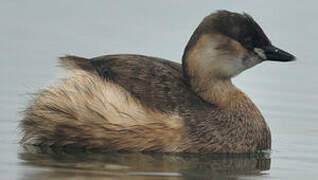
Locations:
{"points": [[206, 68], [220, 92]]}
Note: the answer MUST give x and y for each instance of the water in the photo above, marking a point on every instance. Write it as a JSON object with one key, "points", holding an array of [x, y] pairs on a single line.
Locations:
{"points": [[33, 33]]}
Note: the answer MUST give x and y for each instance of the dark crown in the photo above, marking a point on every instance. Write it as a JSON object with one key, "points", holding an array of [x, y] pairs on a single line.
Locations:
{"points": [[240, 27]]}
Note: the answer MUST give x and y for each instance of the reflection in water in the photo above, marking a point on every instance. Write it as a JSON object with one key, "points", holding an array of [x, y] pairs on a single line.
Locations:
{"points": [[120, 165]]}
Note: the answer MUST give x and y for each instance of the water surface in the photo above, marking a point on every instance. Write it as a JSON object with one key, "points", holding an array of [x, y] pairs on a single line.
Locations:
{"points": [[34, 33]]}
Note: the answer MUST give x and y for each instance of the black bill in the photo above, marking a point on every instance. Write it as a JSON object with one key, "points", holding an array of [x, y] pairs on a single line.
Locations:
{"points": [[273, 53]]}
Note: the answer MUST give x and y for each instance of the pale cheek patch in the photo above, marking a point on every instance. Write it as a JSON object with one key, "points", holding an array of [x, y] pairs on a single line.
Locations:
{"points": [[260, 53]]}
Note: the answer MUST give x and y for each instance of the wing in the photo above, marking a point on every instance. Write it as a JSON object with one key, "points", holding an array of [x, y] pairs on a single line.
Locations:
{"points": [[158, 83]]}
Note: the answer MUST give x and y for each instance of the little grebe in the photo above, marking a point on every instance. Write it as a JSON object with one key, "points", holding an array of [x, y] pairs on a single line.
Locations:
{"points": [[142, 103]]}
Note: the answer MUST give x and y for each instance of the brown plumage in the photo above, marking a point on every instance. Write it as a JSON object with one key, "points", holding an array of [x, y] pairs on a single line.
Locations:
{"points": [[141, 103]]}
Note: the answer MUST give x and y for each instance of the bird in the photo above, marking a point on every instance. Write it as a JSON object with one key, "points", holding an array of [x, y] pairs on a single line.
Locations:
{"points": [[130, 102]]}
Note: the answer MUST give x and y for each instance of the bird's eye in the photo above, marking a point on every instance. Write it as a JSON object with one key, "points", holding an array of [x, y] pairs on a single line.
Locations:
{"points": [[248, 43], [248, 40]]}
